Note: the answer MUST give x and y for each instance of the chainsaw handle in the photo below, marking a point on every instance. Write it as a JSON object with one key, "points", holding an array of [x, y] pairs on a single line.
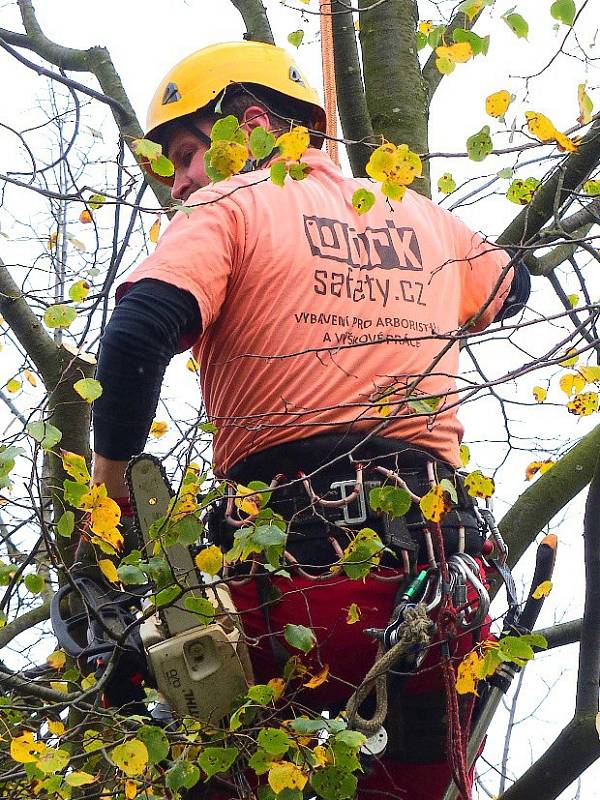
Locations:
{"points": [[544, 567], [61, 626]]}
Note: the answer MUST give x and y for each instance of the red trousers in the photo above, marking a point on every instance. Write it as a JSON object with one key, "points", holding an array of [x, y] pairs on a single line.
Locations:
{"points": [[322, 605]]}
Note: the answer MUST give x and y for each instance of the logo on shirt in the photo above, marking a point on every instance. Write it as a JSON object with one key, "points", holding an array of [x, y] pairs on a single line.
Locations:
{"points": [[390, 247]]}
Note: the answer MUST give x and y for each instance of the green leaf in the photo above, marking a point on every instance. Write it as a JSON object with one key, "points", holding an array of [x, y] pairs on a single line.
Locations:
{"points": [[298, 172], [564, 11], [345, 756], [7, 463], [217, 759], [434, 36], [187, 531], [392, 500], [446, 184], [359, 562], [363, 200], [278, 172], [295, 38], [505, 173], [479, 44], [472, 7], [47, 435], [66, 524], [166, 596], [261, 143], [260, 762], [131, 575], [74, 492], [208, 427], [300, 637], [517, 24], [333, 783], [146, 149], [423, 405], [421, 40], [274, 741], [591, 188], [59, 316], [444, 65], [183, 775], [352, 739], [34, 583], [162, 166], [521, 191], [200, 606], [227, 129], [79, 291], [261, 694], [269, 535], [479, 146], [516, 649], [156, 742], [96, 201], [536, 640], [53, 760], [89, 389], [449, 487]]}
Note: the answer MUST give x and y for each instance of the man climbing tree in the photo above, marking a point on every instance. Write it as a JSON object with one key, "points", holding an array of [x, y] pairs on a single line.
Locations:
{"points": [[325, 321]]}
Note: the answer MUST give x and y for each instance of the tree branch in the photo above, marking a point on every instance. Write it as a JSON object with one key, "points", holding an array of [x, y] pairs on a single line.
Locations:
{"points": [[589, 651], [555, 191], [24, 623], [396, 93], [352, 104], [552, 491], [255, 19], [562, 634]]}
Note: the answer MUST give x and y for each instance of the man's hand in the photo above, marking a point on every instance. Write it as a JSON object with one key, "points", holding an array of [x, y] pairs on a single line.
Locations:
{"points": [[111, 474]]}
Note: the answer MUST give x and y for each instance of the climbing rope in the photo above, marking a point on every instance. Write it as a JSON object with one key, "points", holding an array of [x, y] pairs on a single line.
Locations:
{"points": [[329, 87], [415, 631]]}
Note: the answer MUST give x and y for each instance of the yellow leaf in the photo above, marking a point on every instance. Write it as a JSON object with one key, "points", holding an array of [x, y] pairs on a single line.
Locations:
{"points": [[57, 659], [426, 26], [131, 757], [75, 466], [539, 394], [496, 104], [543, 590], [52, 240], [59, 686], [108, 569], [248, 504], [278, 687], [13, 385], [573, 300], [30, 377], [113, 538], [293, 144], [88, 681], [564, 143], [105, 516], [457, 53], [479, 485], [585, 105], [582, 405], [382, 407], [436, 503], [130, 789], [228, 157], [465, 455], [158, 429], [538, 466], [285, 775], [79, 779], [543, 129], [590, 374], [25, 749], [571, 358], [56, 727], [318, 679], [154, 231], [571, 383], [91, 498], [322, 756], [209, 560], [192, 365], [353, 614], [466, 676]]}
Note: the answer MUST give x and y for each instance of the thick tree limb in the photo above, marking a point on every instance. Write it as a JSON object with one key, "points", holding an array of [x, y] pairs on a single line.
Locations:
{"points": [[586, 215], [352, 104], [24, 623], [396, 93], [588, 677], [576, 747], [255, 19], [562, 634], [552, 491], [555, 191]]}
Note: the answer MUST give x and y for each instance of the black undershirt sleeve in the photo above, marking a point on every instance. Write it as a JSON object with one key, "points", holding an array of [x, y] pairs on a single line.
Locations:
{"points": [[519, 292], [150, 324]]}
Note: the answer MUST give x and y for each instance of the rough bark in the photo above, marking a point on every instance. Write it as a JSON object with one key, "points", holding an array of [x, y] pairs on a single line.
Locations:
{"points": [[352, 104], [396, 93]]}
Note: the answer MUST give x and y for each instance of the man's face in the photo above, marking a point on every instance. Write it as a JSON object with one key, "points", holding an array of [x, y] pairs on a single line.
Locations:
{"points": [[186, 151]]}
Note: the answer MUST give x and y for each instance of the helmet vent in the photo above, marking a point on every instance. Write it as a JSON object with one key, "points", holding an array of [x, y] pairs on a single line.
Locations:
{"points": [[296, 77], [171, 94]]}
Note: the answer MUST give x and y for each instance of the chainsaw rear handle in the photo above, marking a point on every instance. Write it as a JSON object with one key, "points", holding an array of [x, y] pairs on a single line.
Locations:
{"points": [[544, 568]]}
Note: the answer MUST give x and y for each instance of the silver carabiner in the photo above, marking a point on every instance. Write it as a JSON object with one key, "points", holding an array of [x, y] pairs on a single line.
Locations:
{"points": [[468, 568]]}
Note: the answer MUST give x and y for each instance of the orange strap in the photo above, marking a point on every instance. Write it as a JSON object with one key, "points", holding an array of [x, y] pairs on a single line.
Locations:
{"points": [[329, 89]]}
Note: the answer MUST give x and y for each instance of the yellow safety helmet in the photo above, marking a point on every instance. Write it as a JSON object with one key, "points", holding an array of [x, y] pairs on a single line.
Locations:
{"points": [[201, 78]]}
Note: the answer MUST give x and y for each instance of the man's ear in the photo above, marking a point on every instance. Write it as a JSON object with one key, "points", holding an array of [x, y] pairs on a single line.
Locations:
{"points": [[253, 117]]}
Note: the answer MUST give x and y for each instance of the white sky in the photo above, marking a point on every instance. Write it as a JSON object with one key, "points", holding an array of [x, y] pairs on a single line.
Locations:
{"points": [[146, 38]]}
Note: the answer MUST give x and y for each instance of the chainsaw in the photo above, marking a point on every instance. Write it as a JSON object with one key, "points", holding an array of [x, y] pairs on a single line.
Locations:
{"points": [[198, 668]]}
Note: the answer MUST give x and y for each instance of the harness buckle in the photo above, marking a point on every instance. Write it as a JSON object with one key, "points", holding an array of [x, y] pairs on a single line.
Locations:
{"points": [[350, 496]]}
